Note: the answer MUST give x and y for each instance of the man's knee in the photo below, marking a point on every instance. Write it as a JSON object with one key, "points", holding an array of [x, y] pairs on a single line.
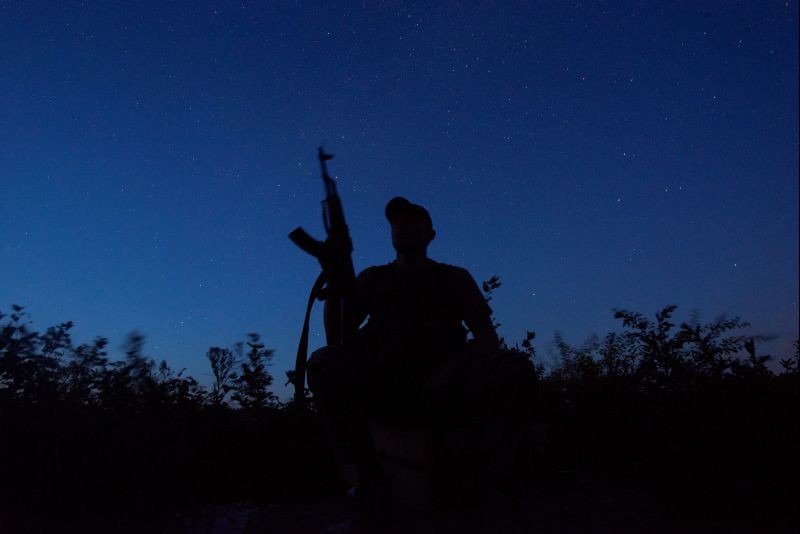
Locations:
{"points": [[325, 369], [503, 382], [515, 383]]}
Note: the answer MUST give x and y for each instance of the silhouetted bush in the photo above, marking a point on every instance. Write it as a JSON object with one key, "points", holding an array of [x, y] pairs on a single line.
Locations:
{"points": [[252, 385], [692, 407], [83, 435]]}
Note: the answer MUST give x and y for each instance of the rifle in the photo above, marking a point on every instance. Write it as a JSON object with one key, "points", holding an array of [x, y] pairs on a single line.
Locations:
{"points": [[338, 275]]}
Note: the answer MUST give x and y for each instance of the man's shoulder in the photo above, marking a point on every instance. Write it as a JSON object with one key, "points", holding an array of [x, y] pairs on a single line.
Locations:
{"points": [[459, 275], [441, 269], [450, 269], [375, 270], [375, 275]]}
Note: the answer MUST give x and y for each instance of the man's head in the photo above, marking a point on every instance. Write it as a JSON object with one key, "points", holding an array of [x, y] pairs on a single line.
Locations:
{"points": [[412, 228]]}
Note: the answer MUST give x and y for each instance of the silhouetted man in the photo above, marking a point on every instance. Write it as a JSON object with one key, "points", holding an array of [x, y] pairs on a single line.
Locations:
{"points": [[412, 360]]}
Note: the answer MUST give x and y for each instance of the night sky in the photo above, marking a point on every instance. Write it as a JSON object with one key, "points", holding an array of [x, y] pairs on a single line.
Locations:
{"points": [[153, 159]]}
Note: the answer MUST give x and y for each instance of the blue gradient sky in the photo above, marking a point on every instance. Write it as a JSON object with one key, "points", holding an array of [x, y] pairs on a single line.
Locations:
{"points": [[154, 157]]}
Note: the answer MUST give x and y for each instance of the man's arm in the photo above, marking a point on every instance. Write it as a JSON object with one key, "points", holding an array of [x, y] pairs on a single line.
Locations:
{"points": [[477, 315], [486, 340], [332, 316]]}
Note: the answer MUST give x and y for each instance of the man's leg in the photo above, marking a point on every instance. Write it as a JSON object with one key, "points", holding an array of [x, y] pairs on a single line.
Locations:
{"points": [[498, 385], [495, 394], [337, 380]]}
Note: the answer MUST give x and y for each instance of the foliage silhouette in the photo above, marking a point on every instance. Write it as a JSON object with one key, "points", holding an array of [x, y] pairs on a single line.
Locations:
{"points": [[222, 368], [685, 406], [252, 385]]}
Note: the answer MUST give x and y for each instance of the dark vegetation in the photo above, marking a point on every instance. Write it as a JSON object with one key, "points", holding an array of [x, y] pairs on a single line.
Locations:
{"points": [[86, 437], [687, 408]]}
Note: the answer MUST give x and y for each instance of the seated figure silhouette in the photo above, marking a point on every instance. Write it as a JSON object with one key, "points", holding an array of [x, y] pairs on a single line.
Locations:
{"points": [[412, 361]]}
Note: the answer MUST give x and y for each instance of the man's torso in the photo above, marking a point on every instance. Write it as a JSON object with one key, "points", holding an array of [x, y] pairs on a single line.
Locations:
{"points": [[415, 318]]}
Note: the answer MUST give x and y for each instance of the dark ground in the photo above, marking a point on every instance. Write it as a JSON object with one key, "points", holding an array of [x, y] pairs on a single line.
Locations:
{"points": [[572, 505], [567, 504]]}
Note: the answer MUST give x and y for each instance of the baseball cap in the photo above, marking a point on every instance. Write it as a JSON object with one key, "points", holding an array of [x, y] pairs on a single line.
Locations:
{"points": [[401, 205]]}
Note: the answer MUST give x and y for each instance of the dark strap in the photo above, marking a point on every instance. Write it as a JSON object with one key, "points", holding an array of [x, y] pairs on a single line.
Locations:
{"points": [[298, 377]]}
